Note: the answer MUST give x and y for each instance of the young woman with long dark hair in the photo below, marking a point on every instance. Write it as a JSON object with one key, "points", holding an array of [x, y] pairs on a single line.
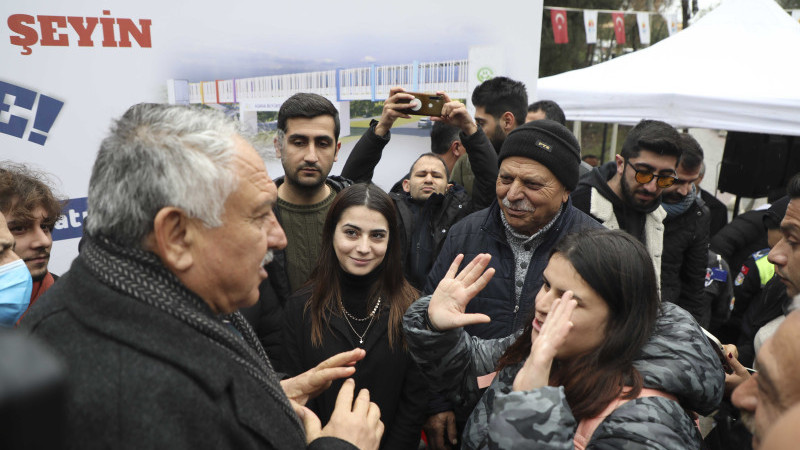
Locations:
{"points": [[600, 361], [356, 297]]}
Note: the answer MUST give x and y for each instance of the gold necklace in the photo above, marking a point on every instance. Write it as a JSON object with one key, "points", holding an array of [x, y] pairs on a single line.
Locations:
{"points": [[371, 317]]}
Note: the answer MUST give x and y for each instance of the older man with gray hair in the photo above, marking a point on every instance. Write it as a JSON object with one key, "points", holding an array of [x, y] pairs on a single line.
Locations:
{"points": [[180, 225]]}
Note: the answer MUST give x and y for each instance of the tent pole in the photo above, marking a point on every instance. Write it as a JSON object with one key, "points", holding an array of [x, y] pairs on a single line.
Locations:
{"points": [[576, 130], [603, 147], [613, 146]]}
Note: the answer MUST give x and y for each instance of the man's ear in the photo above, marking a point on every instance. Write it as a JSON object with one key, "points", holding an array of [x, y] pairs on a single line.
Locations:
{"points": [[406, 185], [620, 163], [172, 238], [277, 144], [507, 121], [456, 148], [336, 153]]}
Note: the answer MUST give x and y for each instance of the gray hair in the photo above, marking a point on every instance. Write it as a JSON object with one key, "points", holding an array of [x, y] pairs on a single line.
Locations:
{"points": [[158, 156]]}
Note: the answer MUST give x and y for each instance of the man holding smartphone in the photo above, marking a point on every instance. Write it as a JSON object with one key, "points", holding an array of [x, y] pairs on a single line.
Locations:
{"points": [[427, 206]]}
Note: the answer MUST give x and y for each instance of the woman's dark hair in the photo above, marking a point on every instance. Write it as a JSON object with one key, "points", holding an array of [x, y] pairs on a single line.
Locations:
{"points": [[619, 269], [390, 285]]}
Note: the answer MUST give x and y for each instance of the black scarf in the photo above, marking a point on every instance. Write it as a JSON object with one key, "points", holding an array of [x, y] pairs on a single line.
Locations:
{"points": [[141, 276]]}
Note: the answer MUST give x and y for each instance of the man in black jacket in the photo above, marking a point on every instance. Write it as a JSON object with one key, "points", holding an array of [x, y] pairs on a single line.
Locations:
{"points": [[427, 206], [146, 320], [686, 228]]}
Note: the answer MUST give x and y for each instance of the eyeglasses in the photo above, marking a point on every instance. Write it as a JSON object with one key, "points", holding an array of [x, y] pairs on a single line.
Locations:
{"points": [[645, 176]]}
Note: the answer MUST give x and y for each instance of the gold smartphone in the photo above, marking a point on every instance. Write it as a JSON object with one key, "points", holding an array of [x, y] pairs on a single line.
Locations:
{"points": [[424, 104]]}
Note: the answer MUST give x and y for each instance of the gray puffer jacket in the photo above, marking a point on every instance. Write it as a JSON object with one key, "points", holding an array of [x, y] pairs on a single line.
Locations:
{"points": [[677, 359]]}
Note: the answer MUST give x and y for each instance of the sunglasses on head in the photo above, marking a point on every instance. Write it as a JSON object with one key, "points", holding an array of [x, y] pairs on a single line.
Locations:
{"points": [[644, 176]]}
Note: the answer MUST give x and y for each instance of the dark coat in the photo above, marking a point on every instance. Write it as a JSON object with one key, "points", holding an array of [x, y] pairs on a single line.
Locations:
{"points": [[742, 237], [438, 212], [484, 232], [394, 382], [140, 378], [719, 212], [683, 262]]}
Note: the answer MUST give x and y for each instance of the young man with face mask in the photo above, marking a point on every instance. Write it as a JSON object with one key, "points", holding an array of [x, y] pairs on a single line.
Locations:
{"points": [[31, 211]]}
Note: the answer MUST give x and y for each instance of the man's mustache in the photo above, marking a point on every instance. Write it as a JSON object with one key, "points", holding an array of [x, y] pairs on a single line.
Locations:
{"points": [[519, 205]]}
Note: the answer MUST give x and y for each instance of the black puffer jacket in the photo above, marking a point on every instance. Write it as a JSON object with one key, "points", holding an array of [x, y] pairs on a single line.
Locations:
{"points": [[422, 240], [683, 263], [742, 237]]}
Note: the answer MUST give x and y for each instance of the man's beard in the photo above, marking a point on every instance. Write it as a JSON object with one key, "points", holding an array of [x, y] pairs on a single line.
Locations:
{"points": [[672, 198], [631, 200], [497, 138], [306, 184]]}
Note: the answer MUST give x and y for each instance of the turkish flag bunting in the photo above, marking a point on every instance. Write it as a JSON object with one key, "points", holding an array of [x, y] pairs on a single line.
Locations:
{"points": [[619, 26], [559, 19]]}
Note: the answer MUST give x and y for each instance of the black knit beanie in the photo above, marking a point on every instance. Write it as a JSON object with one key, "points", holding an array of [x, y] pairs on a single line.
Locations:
{"points": [[549, 143]]}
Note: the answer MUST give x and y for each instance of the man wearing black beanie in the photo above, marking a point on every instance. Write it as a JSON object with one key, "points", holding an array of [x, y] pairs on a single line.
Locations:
{"points": [[538, 169]]}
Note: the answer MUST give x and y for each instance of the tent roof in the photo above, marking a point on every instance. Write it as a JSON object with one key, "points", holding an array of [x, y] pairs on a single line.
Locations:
{"points": [[737, 68]]}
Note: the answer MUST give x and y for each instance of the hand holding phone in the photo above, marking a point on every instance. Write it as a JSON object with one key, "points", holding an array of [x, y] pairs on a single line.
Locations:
{"points": [[424, 104]]}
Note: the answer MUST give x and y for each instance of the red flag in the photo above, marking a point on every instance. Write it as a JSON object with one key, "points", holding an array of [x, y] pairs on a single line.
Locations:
{"points": [[619, 26], [559, 19]]}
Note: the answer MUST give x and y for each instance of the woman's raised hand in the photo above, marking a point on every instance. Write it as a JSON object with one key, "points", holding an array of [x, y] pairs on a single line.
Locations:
{"points": [[535, 373], [449, 301]]}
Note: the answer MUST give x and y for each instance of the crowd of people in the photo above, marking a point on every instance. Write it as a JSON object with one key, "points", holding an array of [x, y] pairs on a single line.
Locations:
{"points": [[507, 292]]}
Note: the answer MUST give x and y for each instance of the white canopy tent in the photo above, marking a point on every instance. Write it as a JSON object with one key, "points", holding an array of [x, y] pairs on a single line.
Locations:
{"points": [[737, 68]]}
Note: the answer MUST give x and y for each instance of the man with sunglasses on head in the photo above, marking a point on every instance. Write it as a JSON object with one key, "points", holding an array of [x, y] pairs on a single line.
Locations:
{"points": [[626, 193]]}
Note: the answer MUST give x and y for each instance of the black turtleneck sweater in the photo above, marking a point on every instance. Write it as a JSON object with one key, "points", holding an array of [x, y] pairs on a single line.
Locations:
{"points": [[357, 296]]}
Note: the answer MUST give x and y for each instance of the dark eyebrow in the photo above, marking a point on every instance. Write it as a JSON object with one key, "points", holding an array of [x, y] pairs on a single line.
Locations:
{"points": [[650, 168], [351, 226]]}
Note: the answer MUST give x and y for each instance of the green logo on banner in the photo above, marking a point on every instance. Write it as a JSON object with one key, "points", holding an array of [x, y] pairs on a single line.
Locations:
{"points": [[485, 73]]}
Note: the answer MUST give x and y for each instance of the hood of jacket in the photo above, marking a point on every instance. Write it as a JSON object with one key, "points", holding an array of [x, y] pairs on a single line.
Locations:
{"points": [[676, 361]]}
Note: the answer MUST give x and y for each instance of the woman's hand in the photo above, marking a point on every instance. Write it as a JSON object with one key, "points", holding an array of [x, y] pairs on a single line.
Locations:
{"points": [[535, 373], [449, 302]]}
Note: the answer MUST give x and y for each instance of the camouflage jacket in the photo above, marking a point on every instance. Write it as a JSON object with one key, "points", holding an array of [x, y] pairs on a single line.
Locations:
{"points": [[677, 359]]}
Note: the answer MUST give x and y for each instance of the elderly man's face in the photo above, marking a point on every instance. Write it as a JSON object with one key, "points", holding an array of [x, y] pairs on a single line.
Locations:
{"points": [[785, 255], [776, 387], [231, 257], [528, 193]]}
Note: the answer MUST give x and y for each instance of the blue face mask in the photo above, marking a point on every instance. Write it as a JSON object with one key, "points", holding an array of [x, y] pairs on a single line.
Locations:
{"points": [[15, 291]]}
